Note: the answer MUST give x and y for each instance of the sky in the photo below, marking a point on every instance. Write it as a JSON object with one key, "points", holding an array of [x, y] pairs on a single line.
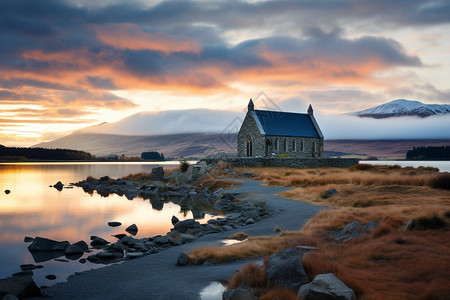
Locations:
{"points": [[71, 64]]}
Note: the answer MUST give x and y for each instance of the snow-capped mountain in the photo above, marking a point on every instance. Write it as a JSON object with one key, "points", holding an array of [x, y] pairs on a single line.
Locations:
{"points": [[402, 107]]}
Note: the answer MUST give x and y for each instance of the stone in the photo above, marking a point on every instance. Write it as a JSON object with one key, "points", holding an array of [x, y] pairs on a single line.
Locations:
{"points": [[50, 277], [114, 224], [98, 241], [128, 241], [82, 245], [163, 240], [326, 286], [73, 249], [184, 225], [187, 238], [248, 174], [351, 228], [132, 229], [158, 174], [82, 261], [5, 296], [59, 186], [285, 269], [250, 221], [46, 245], [174, 220], [238, 294], [30, 267], [119, 236], [135, 255], [105, 255], [183, 259], [21, 287], [330, 193], [28, 239], [7, 192]]}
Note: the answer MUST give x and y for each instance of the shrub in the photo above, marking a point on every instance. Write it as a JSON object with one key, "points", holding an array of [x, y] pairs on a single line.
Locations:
{"points": [[362, 167], [441, 181], [184, 165], [251, 275], [284, 155], [425, 223]]}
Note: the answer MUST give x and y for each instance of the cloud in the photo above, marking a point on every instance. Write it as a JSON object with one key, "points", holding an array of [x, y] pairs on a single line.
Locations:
{"points": [[126, 36]]}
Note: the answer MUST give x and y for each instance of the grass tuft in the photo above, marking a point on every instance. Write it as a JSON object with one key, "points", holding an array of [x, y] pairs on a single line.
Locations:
{"points": [[251, 276], [441, 181]]}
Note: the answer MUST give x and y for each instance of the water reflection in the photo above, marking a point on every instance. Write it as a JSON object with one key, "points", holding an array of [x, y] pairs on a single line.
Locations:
{"points": [[34, 209], [213, 291]]}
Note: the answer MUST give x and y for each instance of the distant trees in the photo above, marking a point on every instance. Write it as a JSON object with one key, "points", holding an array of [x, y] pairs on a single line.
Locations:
{"points": [[152, 155], [18, 153], [429, 153]]}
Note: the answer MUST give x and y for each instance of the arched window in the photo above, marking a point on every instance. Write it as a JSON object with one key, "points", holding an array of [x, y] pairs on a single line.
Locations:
{"points": [[302, 146], [314, 147], [276, 144], [249, 146], [294, 145], [285, 145]]}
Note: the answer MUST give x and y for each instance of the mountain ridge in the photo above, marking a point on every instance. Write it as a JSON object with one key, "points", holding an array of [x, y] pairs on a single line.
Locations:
{"points": [[401, 108]]}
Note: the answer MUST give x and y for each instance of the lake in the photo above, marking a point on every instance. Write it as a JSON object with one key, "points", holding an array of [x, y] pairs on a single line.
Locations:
{"points": [[35, 209], [443, 166]]}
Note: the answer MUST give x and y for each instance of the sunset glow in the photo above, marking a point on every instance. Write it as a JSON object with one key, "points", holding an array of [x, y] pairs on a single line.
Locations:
{"points": [[67, 65]]}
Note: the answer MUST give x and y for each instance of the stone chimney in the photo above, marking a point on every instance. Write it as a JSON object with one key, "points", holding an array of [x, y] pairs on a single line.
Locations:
{"points": [[251, 106], [310, 110]]}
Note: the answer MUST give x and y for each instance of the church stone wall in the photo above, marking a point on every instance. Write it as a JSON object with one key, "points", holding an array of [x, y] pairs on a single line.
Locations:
{"points": [[249, 129]]}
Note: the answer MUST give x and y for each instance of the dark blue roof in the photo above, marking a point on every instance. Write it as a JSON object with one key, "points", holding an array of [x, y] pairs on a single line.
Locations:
{"points": [[285, 123]]}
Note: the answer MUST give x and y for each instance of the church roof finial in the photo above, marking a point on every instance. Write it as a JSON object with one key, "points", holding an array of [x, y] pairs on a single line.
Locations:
{"points": [[251, 106], [310, 110]]}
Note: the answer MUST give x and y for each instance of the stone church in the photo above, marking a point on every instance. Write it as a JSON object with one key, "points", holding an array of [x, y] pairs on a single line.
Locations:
{"points": [[272, 133]]}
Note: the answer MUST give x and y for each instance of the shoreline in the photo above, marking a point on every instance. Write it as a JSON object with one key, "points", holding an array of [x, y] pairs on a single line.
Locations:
{"points": [[137, 278]]}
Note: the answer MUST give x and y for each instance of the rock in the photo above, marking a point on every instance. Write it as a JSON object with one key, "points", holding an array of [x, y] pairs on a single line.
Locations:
{"points": [[285, 269], [248, 174], [21, 287], [187, 238], [50, 277], [5, 296], [98, 241], [175, 220], [326, 286], [73, 249], [59, 186], [104, 178], [132, 229], [330, 193], [183, 226], [7, 192], [105, 255], [82, 261], [128, 241], [134, 255], [30, 267], [351, 228], [250, 221], [158, 174], [183, 259], [28, 239], [46, 245], [82, 245], [238, 294], [163, 240], [119, 236], [114, 224], [61, 260]]}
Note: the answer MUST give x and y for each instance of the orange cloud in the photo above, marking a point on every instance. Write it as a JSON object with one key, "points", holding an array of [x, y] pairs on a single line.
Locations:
{"points": [[129, 36]]}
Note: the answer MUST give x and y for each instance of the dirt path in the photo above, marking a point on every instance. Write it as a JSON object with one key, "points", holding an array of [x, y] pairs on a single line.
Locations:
{"points": [[157, 277]]}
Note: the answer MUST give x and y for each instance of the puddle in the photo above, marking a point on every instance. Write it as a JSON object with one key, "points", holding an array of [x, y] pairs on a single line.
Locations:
{"points": [[213, 291], [232, 242]]}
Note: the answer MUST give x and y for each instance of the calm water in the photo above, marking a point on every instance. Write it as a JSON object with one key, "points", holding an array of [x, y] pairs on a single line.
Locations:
{"points": [[443, 166], [34, 209]]}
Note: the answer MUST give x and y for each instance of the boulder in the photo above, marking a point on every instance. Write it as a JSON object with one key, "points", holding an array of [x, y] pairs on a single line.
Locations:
{"points": [[183, 259], [21, 287], [285, 269], [59, 186], [82, 245], [326, 286], [73, 249], [134, 255], [238, 294], [158, 174], [28, 239], [98, 241], [163, 240], [46, 245], [183, 226], [330, 193], [132, 229], [114, 224]]}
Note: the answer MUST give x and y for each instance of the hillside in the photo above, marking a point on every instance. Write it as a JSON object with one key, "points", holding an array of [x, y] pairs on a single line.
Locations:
{"points": [[202, 144]]}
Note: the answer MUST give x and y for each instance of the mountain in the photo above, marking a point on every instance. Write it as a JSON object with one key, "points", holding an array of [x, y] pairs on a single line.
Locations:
{"points": [[171, 145], [401, 108]]}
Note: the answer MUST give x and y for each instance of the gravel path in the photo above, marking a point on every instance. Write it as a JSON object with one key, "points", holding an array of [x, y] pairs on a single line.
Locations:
{"points": [[157, 277]]}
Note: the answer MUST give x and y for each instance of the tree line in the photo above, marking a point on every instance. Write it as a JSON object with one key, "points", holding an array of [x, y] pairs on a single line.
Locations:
{"points": [[18, 153], [152, 155], [429, 153]]}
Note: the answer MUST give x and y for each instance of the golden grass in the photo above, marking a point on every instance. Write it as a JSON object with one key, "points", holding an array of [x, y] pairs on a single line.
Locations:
{"points": [[386, 263], [240, 236]]}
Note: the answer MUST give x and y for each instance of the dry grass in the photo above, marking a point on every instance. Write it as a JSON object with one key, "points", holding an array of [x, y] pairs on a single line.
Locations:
{"points": [[215, 184], [240, 236], [251, 275], [387, 263]]}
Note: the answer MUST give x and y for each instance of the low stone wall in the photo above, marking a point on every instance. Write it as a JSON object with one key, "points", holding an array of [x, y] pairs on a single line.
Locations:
{"points": [[292, 162]]}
